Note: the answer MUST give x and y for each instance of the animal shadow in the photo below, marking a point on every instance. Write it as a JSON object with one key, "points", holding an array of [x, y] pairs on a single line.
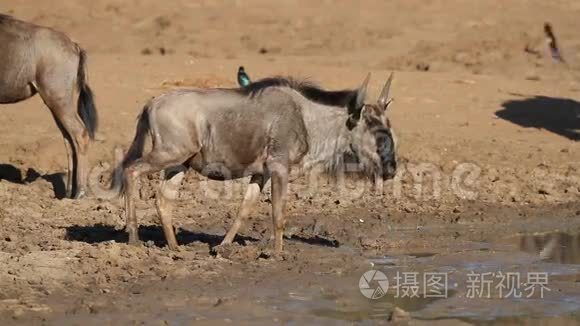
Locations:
{"points": [[151, 233], [315, 240], [13, 174], [98, 233], [558, 115]]}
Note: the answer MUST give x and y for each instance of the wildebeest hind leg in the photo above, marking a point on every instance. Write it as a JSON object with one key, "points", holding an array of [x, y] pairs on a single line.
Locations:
{"points": [[152, 162], [64, 111], [248, 203], [169, 191], [54, 87], [80, 144], [68, 145], [279, 192]]}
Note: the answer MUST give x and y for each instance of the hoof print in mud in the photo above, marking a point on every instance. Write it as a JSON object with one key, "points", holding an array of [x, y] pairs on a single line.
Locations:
{"points": [[236, 252], [148, 243]]}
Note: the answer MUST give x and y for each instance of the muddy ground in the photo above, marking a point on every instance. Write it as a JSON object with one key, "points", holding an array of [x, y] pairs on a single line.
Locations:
{"points": [[488, 125]]}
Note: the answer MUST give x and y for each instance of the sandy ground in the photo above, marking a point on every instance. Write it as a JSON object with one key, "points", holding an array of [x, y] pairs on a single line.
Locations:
{"points": [[488, 142]]}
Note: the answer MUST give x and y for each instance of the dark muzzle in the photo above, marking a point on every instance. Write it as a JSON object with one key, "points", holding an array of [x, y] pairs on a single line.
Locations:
{"points": [[389, 169], [386, 151]]}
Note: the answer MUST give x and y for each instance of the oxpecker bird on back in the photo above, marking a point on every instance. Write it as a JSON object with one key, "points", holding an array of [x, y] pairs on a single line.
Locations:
{"points": [[243, 78]]}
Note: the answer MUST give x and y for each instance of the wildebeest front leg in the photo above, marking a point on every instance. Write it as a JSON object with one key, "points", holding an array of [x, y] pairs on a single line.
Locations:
{"points": [[169, 191], [248, 203], [279, 191], [378, 185]]}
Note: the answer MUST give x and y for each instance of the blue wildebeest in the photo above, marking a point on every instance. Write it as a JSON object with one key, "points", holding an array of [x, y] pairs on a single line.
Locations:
{"points": [[260, 130], [36, 59]]}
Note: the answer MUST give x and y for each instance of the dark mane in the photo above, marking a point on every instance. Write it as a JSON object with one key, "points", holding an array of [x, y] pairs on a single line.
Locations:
{"points": [[8, 19], [342, 98], [4, 17]]}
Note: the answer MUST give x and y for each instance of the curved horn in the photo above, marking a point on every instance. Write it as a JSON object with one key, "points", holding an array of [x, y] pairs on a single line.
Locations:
{"points": [[355, 107], [362, 92], [359, 100], [384, 100]]}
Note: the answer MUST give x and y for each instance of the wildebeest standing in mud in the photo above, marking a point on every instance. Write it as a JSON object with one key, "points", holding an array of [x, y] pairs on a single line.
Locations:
{"points": [[260, 130], [36, 59]]}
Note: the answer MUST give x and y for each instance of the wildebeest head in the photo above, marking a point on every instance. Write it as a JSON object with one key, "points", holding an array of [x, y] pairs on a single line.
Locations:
{"points": [[373, 143]]}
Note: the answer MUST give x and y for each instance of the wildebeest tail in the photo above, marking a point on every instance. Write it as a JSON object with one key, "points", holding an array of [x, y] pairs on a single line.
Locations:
{"points": [[86, 103], [135, 152]]}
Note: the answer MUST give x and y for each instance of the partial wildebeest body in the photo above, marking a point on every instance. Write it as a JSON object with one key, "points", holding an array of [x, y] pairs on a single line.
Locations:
{"points": [[38, 59], [260, 130]]}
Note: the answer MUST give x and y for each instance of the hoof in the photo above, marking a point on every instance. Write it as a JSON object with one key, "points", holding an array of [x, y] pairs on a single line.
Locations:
{"points": [[226, 241], [274, 255], [173, 247], [80, 194], [134, 243]]}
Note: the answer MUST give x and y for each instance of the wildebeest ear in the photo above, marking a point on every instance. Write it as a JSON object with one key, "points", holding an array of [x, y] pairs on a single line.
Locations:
{"points": [[384, 100], [357, 103]]}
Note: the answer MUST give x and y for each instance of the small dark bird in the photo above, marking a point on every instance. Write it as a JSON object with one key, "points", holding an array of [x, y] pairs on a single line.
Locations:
{"points": [[243, 78], [552, 43]]}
